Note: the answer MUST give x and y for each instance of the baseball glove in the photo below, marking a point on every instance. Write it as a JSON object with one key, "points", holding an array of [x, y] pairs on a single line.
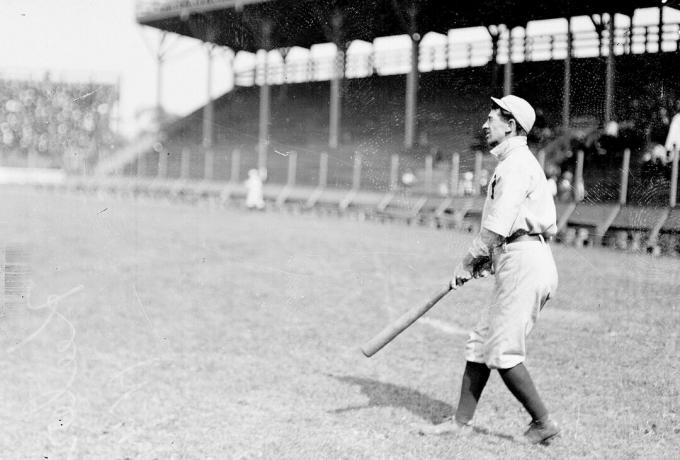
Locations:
{"points": [[482, 267]]}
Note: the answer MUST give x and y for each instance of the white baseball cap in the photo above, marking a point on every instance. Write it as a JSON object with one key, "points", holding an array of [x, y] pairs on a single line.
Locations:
{"points": [[520, 109]]}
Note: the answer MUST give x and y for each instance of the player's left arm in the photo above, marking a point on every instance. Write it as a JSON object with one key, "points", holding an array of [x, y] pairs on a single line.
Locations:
{"points": [[509, 192]]}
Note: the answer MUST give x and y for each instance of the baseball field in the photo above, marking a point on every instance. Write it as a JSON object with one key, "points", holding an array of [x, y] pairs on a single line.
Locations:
{"points": [[159, 330]]}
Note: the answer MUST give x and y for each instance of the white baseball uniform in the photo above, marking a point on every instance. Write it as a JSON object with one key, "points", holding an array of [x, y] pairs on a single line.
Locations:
{"points": [[518, 202]]}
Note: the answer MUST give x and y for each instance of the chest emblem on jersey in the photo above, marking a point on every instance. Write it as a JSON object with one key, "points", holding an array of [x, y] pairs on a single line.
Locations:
{"points": [[495, 181]]}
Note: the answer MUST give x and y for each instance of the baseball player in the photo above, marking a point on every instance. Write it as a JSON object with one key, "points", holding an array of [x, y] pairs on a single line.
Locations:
{"points": [[517, 221]]}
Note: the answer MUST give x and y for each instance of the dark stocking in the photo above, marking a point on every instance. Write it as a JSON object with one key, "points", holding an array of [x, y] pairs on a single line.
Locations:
{"points": [[474, 381], [519, 382]]}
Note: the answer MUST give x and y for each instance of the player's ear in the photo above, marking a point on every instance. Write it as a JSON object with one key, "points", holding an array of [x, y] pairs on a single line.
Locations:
{"points": [[512, 126]]}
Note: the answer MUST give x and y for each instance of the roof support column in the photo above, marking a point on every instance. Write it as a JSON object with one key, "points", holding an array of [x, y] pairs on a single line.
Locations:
{"points": [[609, 82], [265, 101], [566, 98], [495, 35], [335, 105], [507, 74], [208, 110], [336, 101], [160, 59], [661, 4], [410, 118]]}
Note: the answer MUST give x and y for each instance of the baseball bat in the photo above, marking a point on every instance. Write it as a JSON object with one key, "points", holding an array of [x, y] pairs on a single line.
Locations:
{"points": [[397, 326]]}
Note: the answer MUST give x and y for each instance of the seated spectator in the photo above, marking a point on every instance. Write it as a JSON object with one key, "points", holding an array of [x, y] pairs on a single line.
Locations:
{"points": [[467, 185], [658, 127], [408, 178], [673, 139], [564, 186]]}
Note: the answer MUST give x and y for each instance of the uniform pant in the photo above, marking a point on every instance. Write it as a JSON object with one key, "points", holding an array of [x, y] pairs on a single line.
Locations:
{"points": [[525, 277]]}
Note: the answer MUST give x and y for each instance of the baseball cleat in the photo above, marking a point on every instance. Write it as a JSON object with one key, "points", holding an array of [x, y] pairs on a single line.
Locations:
{"points": [[448, 426], [541, 432]]}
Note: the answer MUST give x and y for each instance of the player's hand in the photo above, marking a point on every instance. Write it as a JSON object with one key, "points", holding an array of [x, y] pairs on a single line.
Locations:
{"points": [[461, 275]]}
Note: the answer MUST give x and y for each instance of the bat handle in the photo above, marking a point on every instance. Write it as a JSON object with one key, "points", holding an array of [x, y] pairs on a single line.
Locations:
{"points": [[397, 326]]}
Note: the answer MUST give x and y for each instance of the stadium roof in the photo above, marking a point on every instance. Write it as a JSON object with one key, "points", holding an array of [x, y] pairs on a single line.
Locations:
{"points": [[238, 24]]}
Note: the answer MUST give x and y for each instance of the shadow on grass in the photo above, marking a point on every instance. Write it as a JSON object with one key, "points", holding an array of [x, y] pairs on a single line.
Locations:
{"points": [[381, 394]]}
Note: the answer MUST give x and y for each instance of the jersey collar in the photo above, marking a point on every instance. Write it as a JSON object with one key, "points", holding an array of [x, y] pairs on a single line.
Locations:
{"points": [[503, 150]]}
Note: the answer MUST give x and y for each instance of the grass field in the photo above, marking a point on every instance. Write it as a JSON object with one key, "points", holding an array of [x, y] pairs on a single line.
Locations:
{"points": [[191, 332]]}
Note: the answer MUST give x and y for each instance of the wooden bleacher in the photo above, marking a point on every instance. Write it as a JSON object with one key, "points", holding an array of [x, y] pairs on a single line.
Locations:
{"points": [[593, 218], [460, 212], [400, 206]]}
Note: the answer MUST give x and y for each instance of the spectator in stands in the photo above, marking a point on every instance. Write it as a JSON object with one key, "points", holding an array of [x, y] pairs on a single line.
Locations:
{"points": [[564, 187], [59, 124], [408, 178], [673, 138], [254, 192], [657, 133], [483, 180], [467, 184], [541, 134]]}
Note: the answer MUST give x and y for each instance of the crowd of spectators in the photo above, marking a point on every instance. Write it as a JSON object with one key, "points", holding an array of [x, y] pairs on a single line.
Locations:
{"points": [[46, 123], [648, 126]]}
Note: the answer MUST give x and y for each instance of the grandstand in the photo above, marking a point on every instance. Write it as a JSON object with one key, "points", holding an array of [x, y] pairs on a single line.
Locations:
{"points": [[53, 123], [395, 115], [342, 122]]}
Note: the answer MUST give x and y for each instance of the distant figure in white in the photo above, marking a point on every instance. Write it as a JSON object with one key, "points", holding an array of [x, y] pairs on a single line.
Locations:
{"points": [[467, 184], [254, 196]]}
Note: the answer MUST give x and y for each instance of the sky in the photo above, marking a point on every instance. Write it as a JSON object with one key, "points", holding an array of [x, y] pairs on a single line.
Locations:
{"points": [[101, 39]]}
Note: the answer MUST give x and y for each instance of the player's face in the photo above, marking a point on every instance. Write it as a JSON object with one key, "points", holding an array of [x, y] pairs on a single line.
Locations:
{"points": [[495, 128]]}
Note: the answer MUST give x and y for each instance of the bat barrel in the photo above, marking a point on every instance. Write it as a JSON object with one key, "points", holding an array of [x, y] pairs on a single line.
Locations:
{"points": [[396, 327]]}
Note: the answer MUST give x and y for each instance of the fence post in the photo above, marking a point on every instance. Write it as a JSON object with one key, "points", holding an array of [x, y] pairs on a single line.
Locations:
{"points": [[478, 172], [141, 166], [394, 171], [186, 159], [356, 175], [209, 164], [428, 174], [323, 169], [235, 165], [292, 167], [455, 173], [579, 189], [674, 176], [623, 194], [163, 163]]}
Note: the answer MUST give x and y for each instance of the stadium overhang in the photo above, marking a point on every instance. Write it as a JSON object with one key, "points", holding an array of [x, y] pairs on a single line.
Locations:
{"points": [[241, 24]]}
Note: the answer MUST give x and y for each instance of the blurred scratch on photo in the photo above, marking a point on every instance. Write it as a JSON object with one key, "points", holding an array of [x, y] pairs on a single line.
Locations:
{"points": [[126, 394], [134, 366], [52, 303], [141, 307], [269, 269], [86, 95]]}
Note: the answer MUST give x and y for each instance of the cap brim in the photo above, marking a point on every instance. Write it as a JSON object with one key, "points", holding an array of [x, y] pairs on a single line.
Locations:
{"points": [[500, 104]]}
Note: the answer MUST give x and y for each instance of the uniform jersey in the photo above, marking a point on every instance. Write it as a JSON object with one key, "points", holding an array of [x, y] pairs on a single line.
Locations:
{"points": [[518, 197]]}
